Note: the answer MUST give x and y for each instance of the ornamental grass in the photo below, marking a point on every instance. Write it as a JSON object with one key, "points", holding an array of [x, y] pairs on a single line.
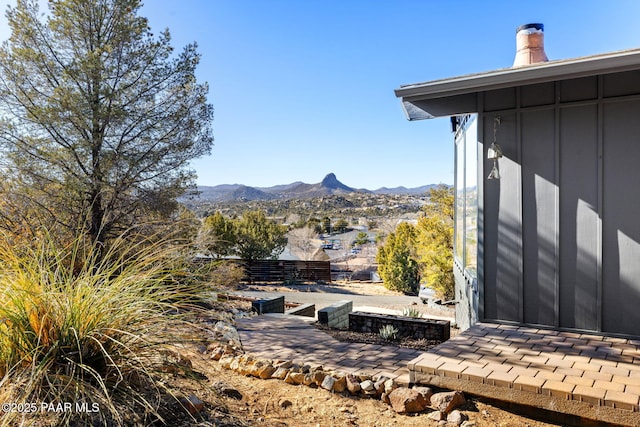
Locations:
{"points": [[82, 332]]}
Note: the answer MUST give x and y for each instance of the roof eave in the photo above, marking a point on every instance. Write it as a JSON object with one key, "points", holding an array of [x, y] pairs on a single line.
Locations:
{"points": [[511, 77]]}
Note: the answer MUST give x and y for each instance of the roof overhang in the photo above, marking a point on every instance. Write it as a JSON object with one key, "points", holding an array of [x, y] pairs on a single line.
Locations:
{"points": [[457, 95]]}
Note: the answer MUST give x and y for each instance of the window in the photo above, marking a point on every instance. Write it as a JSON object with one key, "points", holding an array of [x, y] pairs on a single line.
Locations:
{"points": [[466, 194]]}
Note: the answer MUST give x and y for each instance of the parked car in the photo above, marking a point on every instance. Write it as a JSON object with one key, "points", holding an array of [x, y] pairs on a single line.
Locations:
{"points": [[425, 294]]}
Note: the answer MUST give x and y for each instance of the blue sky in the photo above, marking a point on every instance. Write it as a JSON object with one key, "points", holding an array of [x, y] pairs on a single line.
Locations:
{"points": [[302, 88]]}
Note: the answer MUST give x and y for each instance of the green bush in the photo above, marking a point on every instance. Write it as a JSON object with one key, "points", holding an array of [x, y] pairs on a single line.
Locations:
{"points": [[397, 266]]}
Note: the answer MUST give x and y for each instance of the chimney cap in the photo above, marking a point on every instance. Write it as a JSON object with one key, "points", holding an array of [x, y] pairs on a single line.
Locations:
{"points": [[539, 27]]}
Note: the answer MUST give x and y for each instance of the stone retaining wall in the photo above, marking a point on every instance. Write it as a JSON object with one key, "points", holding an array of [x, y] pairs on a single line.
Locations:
{"points": [[306, 310], [272, 305], [417, 328], [336, 315]]}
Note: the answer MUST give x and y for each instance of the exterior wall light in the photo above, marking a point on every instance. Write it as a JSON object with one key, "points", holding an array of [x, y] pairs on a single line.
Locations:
{"points": [[494, 152]]}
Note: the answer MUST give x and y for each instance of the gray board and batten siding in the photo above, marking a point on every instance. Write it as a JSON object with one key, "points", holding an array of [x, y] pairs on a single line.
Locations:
{"points": [[559, 232]]}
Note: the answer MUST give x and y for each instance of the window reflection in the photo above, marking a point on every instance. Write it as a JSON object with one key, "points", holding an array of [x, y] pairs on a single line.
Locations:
{"points": [[466, 194]]}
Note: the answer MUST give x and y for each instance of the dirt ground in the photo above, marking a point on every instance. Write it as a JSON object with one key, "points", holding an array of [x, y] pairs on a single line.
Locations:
{"points": [[275, 403]]}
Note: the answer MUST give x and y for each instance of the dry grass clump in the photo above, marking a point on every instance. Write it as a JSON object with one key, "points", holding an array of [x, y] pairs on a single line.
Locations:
{"points": [[84, 330]]}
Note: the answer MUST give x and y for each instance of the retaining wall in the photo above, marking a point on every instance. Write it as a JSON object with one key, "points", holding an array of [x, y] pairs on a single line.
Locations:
{"points": [[306, 310], [272, 305], [336, 315], [417, 328]]}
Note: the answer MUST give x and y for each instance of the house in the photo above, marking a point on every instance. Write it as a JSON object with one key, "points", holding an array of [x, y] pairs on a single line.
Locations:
{"points": [[547, 179]]}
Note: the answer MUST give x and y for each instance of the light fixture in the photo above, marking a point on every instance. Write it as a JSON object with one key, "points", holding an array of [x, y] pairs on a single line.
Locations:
{"points": [[494, 152]]}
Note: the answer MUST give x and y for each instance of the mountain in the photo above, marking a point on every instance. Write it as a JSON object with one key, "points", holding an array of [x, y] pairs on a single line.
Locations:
{"points": [[405, 190], [244, 192], [296, 190], [331, 182]]}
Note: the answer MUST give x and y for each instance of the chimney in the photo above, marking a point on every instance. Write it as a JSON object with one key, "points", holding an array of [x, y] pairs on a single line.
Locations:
{"points": [[529, 45]]}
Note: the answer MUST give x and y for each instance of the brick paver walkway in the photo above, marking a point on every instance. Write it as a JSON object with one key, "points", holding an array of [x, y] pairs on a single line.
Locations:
{"points": [[284, 337], [567, 366], [584, 375]]}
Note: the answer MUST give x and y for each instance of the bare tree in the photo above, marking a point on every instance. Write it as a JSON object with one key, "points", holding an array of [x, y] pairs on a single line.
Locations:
{"points": [[303, 242]]}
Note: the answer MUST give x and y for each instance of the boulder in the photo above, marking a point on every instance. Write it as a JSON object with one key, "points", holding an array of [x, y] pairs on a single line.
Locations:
{"points": [[447, 401], [405, 400]]}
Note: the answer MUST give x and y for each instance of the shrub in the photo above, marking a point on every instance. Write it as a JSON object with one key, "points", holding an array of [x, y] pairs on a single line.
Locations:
{"points": [[87, 329], [388, 332], [226, 275], [411, 312], [397, 266]]}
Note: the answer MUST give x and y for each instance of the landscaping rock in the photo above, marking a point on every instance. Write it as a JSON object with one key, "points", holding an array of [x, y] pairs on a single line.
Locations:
{"points": [[284, 365], [308, 380], [192, 404], [353, 385], [318, 377], [294, 378], [447, 401], [328, 383], [285, 403], [266, 372], [390, 385], [405, 400], [226, 390], [436, 416], [456, 417], [367, 386], [226, 360], [340, 385], [379, 384], [425, 391], [280, 373]]}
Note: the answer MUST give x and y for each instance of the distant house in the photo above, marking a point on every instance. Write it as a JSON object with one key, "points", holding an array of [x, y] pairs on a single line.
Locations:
{"points": [[551, 236]]}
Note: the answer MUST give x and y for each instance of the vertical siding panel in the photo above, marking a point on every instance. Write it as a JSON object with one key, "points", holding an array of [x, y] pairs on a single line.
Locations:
{"points": [[502, 231], [579, 217], [539, 216], [621, 218]]}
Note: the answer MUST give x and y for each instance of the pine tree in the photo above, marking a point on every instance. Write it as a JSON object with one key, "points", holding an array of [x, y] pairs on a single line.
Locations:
{"points": [[397, 265], [99, 118]]}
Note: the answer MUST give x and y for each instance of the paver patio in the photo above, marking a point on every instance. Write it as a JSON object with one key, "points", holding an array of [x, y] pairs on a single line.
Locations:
{"points": [[583, 374], [580, 374], [284, 337]]}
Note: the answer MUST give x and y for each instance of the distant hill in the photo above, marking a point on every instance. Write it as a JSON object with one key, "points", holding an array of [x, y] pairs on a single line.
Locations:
{"points": [[405, 190], [297, 190]]}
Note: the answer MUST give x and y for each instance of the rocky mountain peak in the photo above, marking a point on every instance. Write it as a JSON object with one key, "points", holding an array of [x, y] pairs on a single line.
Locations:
{"points": [[330, 181]]}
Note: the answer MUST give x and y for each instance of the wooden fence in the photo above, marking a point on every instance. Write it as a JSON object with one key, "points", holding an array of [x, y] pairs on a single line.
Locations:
{"points": [[280, 271]]}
